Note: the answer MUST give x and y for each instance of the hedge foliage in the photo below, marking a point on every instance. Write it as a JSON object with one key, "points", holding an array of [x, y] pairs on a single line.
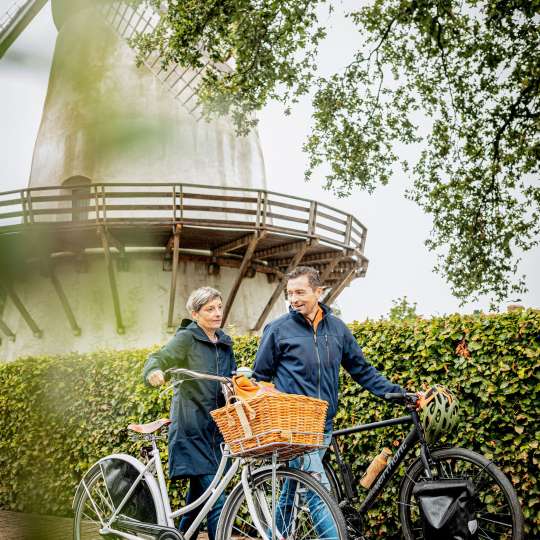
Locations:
{"points": [[58, 415]]}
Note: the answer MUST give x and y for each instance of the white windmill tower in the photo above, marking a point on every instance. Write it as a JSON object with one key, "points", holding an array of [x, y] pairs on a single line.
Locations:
{"points": [[108, 239]]}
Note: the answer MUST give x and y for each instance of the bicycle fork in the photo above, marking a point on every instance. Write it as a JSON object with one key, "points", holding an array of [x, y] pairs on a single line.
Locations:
{"points": [[255, 507], [257, 504]]}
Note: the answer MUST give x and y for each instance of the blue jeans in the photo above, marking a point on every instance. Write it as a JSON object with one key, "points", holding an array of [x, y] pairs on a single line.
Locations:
{"points": [[322, 520], [197, 486]]}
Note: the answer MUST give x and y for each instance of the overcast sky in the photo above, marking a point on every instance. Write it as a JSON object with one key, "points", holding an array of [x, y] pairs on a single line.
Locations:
{"points": [[399, 263]]}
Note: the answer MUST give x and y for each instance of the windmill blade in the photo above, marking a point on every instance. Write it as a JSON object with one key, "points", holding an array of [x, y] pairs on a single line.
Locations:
{"points": [[182, 83], [16, 19]]}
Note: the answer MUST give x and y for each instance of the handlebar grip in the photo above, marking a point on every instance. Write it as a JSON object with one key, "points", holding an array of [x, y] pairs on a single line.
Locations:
{"points": [[398, 396], [394, 395]]}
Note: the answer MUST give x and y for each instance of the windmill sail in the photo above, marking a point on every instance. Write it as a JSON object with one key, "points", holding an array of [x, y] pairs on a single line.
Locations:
{"points": [[16, 19], [130, 21]]}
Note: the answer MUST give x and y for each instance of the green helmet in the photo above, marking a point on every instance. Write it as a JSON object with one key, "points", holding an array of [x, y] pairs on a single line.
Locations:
{"points": [[439, 411]]}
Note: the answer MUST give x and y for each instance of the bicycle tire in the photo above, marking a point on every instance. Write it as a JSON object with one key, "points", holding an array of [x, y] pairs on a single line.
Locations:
{"points": [[95, 496], [296, 524], [499, 517]]}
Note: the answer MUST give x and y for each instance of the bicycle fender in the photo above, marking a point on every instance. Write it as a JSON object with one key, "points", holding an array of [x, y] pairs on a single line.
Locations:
{"points": [[139, 467], [434, 452]]}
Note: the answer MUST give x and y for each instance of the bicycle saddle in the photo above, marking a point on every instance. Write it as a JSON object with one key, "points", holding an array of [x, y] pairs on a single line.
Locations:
{"points": [[151, 427]]}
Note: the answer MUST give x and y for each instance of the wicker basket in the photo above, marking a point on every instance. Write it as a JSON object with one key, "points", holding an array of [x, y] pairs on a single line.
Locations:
{"points": [[288, 423]]}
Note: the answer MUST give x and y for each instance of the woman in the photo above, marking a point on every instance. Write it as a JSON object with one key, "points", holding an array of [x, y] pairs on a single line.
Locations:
{"points": [[194, 439]]}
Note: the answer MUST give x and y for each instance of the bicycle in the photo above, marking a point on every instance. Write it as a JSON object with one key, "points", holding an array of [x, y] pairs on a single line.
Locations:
{"points": [[496, 504], [123, 497]]}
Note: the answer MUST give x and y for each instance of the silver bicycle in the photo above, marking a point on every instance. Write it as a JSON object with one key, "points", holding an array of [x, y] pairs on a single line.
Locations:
{"points": [[123, 497]]}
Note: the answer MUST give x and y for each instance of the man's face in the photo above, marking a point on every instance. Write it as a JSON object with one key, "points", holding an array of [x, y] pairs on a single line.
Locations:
{"points": [[302, 297]]}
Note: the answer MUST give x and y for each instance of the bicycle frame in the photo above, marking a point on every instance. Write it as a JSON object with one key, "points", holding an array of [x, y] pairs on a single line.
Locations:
{"points": [[220, 481], [414, 436], [215, 489]]}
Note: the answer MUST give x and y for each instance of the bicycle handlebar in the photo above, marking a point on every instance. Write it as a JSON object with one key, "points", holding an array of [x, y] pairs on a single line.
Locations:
{"points": [[179, 373]]}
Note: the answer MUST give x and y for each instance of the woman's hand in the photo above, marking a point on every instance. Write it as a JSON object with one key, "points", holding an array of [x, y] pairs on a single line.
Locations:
{"points": [[156, 377]]}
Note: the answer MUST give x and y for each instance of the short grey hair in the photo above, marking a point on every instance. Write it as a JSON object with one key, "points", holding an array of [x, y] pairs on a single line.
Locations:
{"points": [[200, 297], [314, 278]]}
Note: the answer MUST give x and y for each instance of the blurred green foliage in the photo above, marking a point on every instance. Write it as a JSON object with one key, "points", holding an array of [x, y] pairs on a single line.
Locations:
{"points": [[402, 309], [59, 414]]}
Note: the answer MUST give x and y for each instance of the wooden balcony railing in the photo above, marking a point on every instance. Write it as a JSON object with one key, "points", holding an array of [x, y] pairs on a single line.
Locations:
{"points": [[184, 204]]}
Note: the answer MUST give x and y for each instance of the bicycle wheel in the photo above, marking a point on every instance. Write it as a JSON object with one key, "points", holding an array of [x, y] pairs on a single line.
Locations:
{"points": [[496, 504], [102, 492], [304, 509]]}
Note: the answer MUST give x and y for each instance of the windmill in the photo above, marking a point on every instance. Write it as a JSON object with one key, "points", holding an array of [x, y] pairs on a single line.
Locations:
{"points": [[108, 239]]}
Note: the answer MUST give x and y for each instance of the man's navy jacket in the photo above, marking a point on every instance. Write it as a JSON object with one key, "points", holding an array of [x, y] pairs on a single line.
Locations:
{"points": [[300, 361]]}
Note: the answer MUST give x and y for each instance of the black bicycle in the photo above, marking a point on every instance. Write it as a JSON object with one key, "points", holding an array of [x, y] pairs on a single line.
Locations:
{"points": [[496, 505]]}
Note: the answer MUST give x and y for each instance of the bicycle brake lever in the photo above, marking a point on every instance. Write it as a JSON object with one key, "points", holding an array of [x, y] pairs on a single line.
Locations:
{"points": [[171, 386]]}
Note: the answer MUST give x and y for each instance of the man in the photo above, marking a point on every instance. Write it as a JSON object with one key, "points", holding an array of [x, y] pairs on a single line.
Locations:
{"points": [[303, 350]]}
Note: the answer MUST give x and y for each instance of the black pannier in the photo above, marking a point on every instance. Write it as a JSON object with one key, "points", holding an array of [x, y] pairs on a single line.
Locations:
{"points": [[119, 477], [447, 509]]}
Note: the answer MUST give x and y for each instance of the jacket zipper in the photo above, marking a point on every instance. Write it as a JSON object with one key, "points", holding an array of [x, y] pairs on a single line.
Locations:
{"points": [[327, 349], [318, 364], [216, 400]]}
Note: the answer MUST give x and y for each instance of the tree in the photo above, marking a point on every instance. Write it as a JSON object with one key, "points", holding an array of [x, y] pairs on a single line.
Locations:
{"points": [[402, 310], [469, 71]]}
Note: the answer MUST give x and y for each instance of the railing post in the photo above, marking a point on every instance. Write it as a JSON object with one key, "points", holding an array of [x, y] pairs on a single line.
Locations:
{"points": [[29, 205], [348, 230], [181, 195], [312, 218], [174, 202], [24, 207], [258, 214], [104, 203], [96, 202], [265, 207], [363, 239]]}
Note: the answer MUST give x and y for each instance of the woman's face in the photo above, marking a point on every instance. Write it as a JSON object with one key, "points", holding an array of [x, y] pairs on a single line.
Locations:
{"points": [[210, 315]]}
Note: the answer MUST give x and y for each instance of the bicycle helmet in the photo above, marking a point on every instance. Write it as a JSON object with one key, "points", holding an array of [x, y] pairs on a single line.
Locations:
{"points": [[439, 411]]}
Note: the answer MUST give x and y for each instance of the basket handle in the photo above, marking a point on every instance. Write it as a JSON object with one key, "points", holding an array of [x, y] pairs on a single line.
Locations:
{"points": [[239, 406]]}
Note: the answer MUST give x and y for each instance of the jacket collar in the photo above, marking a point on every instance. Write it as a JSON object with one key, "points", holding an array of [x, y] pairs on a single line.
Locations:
{"points": [[300, 318], [199, 334]]}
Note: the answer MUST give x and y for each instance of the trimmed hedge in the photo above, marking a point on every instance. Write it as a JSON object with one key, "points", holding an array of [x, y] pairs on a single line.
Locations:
{"points": [[58, 415]]}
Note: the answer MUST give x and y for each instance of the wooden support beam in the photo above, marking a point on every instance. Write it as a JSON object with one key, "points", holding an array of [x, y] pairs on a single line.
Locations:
{"points": [[278, 250], [234, 244], [281, 285], [112, 279], [23, 311], [255, 238], [65, 303], [114, 242], [329, 269], [336, 290], [7, 330], [175, 257]]}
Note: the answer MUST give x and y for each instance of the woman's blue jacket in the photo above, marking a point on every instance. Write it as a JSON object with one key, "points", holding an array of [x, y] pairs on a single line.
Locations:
{"points": [[194, 439]]}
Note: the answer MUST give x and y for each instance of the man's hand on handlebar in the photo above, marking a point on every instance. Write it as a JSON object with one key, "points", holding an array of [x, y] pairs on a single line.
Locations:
{"points": [[409, 398], [156, 377]]}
